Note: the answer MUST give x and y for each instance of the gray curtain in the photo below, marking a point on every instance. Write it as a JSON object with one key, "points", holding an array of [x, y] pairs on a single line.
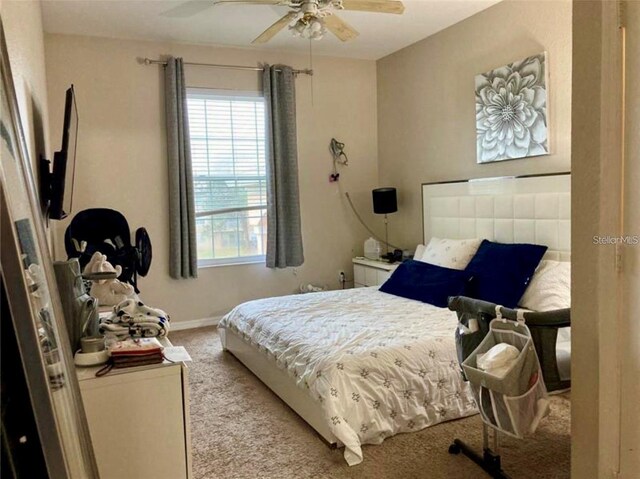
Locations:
{"points": [[183, 262], [284, 237]]}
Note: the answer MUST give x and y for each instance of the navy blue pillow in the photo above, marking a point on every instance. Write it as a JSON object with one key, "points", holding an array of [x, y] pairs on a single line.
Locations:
{"points": [[501, 272], [426, 282]]}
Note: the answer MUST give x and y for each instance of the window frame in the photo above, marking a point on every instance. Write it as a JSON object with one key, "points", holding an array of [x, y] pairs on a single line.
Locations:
{"points": [[231, 95]]}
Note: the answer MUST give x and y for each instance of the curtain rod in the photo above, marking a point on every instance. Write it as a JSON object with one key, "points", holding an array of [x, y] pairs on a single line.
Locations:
{"points": [[149, 61]]}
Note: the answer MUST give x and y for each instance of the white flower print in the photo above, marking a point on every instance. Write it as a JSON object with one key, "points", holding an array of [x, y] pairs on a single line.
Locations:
{"points": [[511, 111]]}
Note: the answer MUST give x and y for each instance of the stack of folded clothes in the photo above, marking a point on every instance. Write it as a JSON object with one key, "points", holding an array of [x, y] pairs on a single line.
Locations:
{"points": [[136, 352], [132, 318]]}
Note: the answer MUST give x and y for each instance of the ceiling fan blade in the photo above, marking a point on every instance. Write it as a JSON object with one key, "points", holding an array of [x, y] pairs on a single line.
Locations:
{"points": [[340, 28], [188, 9], [193, 7], [251, 2], [378, 6], [271, 32]]}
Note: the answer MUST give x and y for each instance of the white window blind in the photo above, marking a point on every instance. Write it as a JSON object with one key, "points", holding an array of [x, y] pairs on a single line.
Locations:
{"points": [[227, 135]]}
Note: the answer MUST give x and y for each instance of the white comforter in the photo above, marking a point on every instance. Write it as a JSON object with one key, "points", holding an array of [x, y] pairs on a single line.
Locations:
{"points": [[377, 364]]}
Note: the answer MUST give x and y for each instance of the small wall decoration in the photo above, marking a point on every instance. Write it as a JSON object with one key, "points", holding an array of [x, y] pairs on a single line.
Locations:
{"points": [[339, 158], [511, 111]]}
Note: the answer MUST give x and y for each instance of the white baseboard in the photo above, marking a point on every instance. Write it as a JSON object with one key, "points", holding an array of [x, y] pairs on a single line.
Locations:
{"points": [[195, 323]]}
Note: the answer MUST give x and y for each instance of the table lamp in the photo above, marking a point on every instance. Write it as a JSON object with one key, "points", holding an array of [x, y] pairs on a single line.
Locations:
{"points": [[385, 202]]}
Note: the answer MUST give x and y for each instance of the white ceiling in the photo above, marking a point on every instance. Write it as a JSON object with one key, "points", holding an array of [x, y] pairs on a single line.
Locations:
{"points": [[238, 25]]}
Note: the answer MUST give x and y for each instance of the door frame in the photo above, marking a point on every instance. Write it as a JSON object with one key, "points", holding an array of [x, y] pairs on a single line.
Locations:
{"points": [[597, 205]]}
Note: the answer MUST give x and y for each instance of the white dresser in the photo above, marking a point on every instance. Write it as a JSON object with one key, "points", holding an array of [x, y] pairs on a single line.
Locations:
{"points": [[139, 420], [368, 272]]}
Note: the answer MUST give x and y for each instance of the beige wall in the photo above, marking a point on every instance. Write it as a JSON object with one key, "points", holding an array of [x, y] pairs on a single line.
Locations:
{"points": [[122, 164], [22, 21], [426, 113]]}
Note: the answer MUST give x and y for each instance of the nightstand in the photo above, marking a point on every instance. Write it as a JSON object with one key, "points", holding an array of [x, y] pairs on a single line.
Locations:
{"points": [[367, 272], [138, 419]]}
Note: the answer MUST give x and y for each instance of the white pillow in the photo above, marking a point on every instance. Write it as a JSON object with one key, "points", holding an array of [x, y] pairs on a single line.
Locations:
{"points": [[550, 287], [450, 253], [419, 252]]}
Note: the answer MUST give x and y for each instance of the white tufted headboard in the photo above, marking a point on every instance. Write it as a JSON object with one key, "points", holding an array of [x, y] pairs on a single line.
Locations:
{"points": [[531, 209]]}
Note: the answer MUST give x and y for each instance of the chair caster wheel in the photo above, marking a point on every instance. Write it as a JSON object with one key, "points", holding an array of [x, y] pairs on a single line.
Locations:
{"points": [[454, 449]]}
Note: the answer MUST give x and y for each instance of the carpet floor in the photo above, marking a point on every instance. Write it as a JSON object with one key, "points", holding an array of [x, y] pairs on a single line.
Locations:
{"points": [[240, 429]]}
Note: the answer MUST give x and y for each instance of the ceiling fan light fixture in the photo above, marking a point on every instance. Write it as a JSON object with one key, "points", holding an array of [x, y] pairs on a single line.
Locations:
{"points": [[308, 28], [313, 18]]}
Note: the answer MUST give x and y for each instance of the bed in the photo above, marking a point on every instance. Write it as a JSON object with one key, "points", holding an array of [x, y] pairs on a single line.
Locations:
{"points": [[361, 365], [375, 363]]}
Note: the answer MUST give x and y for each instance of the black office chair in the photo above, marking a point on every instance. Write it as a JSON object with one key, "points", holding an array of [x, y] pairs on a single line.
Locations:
{"points": [[107, 231]]}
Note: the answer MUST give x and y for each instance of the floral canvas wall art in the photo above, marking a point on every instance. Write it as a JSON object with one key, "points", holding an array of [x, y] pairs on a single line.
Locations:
{"points": [[511, 111]]}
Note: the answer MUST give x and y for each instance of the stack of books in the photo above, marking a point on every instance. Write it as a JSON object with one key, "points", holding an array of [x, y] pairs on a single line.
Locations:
{"points": [[136, 352]]}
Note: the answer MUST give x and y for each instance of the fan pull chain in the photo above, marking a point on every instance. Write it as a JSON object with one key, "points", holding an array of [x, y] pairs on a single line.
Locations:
{"points": [[311, 66]]}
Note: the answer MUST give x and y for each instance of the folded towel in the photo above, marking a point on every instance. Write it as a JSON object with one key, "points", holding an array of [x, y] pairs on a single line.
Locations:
{"points": [[132, 318], [120, 332]]}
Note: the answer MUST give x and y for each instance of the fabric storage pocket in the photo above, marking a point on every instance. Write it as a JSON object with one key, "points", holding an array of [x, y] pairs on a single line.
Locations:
{"points": [[516, 416], [469, 342], [493, 410], [516, 379], [485, 407], [509, 403], [526, 411]]}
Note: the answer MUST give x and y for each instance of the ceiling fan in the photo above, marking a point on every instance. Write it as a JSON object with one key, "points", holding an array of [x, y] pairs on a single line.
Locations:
{"points": [[306, 18]]}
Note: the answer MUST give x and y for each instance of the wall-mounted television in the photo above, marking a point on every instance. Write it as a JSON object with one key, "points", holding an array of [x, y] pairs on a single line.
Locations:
{"points": [[56, 185]]}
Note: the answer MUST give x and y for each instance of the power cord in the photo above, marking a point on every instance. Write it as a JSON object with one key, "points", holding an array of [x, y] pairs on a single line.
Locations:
{"points": [[365, 225], [337, 151]]}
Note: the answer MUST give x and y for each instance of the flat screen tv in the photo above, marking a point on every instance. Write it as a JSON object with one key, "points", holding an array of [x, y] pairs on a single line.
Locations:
{"points": [[57, 184]]}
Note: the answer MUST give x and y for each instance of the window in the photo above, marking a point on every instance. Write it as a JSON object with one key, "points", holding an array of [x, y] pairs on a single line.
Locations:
{"points": [[227, 133]]}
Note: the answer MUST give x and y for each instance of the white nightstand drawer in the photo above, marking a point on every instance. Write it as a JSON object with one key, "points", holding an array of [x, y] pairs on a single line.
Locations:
{"points": [[383, 276], [358, 275], [370, 277], [371, 273]]}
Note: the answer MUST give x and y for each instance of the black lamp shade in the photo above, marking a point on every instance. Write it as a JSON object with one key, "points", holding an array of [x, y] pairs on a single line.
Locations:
{"points": [[384, 201]]}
